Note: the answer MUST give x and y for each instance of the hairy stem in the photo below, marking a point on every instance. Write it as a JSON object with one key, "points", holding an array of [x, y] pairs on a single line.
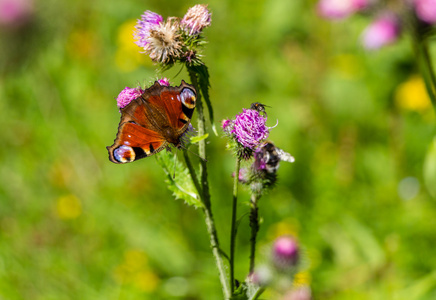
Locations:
{"points": [[234, 229], [429, 75], [254, 224], [204, 190], [192, 172], [423, 57]]}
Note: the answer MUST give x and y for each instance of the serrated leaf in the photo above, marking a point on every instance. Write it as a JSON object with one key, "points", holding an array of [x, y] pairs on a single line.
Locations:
{"points": [[196, 139], [181, 185], [430, 169]]}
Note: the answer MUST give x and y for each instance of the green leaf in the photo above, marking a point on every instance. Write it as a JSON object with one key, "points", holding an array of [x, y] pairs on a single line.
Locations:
{"points": [[196, 139], [430, 169], [203, 80], [181, 185], [240, 293]]}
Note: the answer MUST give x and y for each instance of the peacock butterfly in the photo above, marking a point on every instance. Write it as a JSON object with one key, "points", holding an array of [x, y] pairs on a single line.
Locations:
{"points": [[160, 116]]}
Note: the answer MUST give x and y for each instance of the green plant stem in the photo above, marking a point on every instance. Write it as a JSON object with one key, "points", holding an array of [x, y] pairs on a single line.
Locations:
{"points": [[204, 191], [423, 57], [234, 229], [429, 76], [254, 224], [258, 292], [192, 172]]}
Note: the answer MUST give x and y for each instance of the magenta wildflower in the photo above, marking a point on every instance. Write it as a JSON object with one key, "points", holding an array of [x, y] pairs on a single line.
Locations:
{"points": [[250, 128], [15, 12], [299, 293], [383, 31], [285, 252], [196, 19], [243, 175], [149, 20], [338, 9], [225, 123], [127, 95], [426, 10], [262, 276], [164, 81]]}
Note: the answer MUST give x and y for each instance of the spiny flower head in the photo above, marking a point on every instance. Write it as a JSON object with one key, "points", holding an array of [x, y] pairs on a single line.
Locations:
{"points": [[149, 20], [196, 19], [163, 43], [127, 95], [249, 128], [285, 252], [164, 81]]}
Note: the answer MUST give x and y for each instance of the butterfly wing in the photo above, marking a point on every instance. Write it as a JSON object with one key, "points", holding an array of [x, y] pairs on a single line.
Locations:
{"points": [[150, 122], [175, 104]]}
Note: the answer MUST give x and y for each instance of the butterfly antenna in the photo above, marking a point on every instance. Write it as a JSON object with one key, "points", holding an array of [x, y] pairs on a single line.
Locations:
{"points": [[184, 148], [181, 68]]}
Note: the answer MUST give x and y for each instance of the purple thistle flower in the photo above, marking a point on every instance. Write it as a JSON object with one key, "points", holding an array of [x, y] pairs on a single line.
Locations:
{"points": [[127, 95], [383, 31], [149, 20], [164, 81], [196, 19], [250, 128], [285, 252], [338, 9], [426, 10]]}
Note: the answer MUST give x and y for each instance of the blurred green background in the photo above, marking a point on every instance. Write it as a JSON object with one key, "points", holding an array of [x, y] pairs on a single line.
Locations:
{"points": [[358, 198]]}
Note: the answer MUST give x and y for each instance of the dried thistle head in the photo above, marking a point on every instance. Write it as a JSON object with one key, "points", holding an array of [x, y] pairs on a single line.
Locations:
{"points": [[163, 43]]}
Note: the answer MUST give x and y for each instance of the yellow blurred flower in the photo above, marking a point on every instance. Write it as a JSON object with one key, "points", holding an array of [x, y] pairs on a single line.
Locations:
{"points": [[68, 207], [82, 44], [146, 281], [285, 227], [128, 56], [135, 260], [302, 278], [412, 95], [348, 65], [135, 270]]}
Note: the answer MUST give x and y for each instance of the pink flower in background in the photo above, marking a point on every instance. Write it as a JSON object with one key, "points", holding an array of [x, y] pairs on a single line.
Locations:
{"points": [[15, 12], [285, 252], [164, 81], [426, 10], [383, 31], [127, 95], [197, 18], [338, 9]]}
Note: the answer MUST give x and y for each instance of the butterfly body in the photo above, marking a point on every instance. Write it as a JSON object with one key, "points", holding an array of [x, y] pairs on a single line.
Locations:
{"points": [[149, 123]]}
